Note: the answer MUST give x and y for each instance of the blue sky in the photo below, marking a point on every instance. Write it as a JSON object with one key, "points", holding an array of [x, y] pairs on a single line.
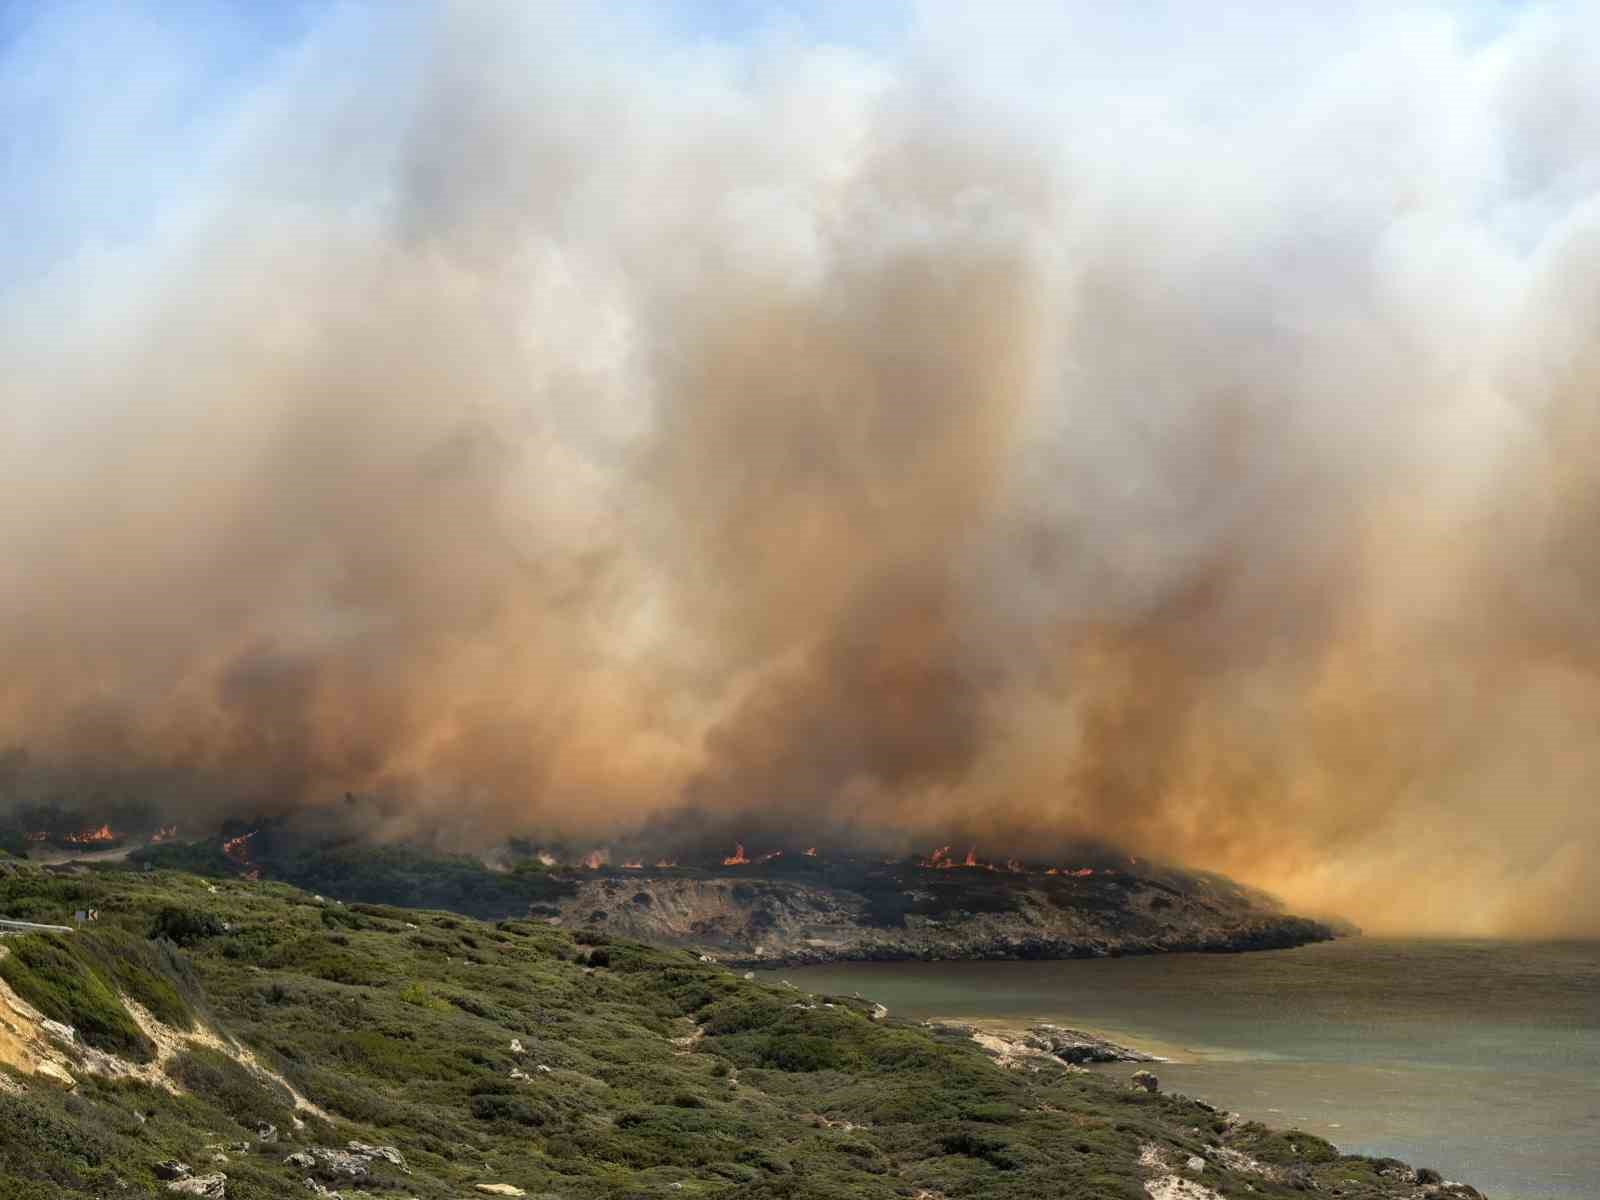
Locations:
{"points": [[109, 111]]}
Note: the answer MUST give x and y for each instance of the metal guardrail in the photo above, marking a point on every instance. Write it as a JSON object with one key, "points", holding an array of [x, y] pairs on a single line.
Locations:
{"points": [[33, 926]]}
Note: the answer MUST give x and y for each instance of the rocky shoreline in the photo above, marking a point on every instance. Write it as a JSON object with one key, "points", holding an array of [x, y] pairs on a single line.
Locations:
{"points": [[1044, 1042], [1177, 1177]]}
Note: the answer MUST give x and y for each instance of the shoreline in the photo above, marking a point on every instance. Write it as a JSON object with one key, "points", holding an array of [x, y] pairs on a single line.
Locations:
{"points": [[1323, 1039], [1290, 934], [1152, 1049], [1029, 1047]]}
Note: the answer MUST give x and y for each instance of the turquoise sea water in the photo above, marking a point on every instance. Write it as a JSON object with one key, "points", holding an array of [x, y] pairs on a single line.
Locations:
{"points": [[1481, 1059]]}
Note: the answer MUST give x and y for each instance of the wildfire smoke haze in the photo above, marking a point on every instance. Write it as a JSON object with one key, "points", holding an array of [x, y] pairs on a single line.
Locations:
{"points": [[974, 431]]}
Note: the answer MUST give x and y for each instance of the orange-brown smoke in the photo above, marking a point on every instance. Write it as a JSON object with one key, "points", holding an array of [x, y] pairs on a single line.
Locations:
{"points": [[550, 430]]}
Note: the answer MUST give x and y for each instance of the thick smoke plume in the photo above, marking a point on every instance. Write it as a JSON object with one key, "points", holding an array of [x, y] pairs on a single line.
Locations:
{"points": [[1049, 426]]}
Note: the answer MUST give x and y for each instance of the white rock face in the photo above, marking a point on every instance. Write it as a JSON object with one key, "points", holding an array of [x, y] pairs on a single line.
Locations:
{"points": [[209, 1187], [51, 1070], [1175, 1187]]}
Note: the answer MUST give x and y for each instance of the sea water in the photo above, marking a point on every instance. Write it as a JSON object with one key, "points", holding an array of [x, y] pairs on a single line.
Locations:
{"points": [[1480, 1059]]}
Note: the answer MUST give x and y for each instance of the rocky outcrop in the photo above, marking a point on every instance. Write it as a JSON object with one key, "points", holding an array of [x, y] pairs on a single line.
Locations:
{"points": [[209, 1187], [885, 912], [1175, 1187], [350, 1165], [1045, 1045], [1076, 1047]]}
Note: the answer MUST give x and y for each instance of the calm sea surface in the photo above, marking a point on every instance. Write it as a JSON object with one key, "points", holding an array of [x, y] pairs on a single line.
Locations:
{"points": [[1481, 1059]]}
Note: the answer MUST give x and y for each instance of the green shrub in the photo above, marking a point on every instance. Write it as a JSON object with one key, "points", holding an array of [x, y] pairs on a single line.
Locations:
{"points": [[239, 1092], [45, 972], [992, 1150], [1288, 1147], [153, 974], [44, 1146], [800, 1052], [185, 926], [517, 1110], [420, 995], [993, 1114]]}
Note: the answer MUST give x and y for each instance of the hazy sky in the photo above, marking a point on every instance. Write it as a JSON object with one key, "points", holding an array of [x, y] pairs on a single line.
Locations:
{"points": [[1167, 422]]}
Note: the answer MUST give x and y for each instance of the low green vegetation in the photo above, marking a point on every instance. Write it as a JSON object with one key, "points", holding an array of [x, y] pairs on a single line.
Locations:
{"points": [[53, 973], [394, 874], [248, 1098], [562, 1062]]}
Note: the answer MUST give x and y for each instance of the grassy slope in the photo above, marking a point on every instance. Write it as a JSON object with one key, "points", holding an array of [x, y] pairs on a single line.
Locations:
{"points": [[399, 1023]]}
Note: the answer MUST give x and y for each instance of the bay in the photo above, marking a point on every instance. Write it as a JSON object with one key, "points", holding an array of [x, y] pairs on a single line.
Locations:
{"points": [[1478, 1058]]}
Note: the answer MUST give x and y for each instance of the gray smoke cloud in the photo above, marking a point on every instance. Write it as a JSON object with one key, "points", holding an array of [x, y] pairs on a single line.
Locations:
{"points": [[1124, 425]]}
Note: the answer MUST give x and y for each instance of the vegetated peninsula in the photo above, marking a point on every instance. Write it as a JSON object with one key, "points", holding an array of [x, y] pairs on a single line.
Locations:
{"points": [[796, 906], [245, 1039], [889, 911]]}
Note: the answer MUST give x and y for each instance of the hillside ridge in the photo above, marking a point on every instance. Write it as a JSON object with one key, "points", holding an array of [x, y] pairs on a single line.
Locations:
{"points": [[424, 1053]]}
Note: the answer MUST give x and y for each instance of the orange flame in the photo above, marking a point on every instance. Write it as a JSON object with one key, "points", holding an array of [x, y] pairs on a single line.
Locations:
{"points": [[633, 866], [165, 834], [1014, 866], [972, 858], [938, 859], [1053, 871], [594, 860], [737, 858], [1083, 873], [238, 847], [810, 852], [102, 834], [666, 863]]}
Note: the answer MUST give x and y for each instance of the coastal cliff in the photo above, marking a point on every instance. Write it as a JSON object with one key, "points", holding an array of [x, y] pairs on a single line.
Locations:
{"points": [[899, 911]]}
